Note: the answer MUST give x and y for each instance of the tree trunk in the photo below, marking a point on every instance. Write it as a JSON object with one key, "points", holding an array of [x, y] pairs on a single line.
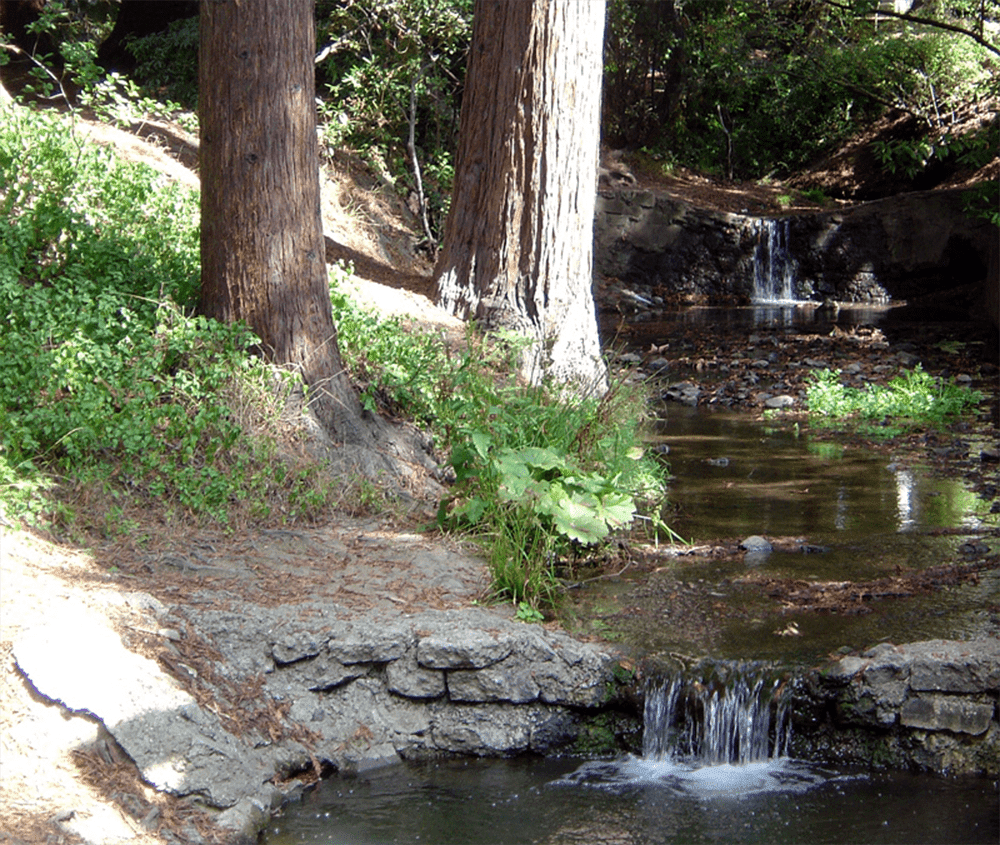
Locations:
{"points": [[518, 245], [262, 250]]}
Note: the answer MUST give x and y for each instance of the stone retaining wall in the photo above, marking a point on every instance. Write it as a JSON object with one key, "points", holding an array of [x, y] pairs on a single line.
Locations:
{"points": [[929, 705], [899, 248], [257, 694]]}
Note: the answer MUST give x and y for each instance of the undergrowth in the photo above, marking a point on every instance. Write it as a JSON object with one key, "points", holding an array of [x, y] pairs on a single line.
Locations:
{"points": [[911, 400], [114, 397], [111, 393], [539, 477]]}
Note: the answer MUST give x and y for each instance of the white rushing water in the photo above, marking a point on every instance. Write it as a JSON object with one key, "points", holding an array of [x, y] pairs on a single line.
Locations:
{"points": [[718, 729], [773, 266]]}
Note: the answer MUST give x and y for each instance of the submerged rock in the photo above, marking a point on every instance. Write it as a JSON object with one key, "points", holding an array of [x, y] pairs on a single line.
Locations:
{"points": [[756, 544]]}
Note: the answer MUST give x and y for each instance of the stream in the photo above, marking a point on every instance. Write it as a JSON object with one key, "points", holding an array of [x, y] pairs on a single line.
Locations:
{"points": [[833, 513], [567, 801]]}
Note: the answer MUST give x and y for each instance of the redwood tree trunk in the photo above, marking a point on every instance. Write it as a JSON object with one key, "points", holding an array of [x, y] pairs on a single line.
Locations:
{"points": [[518, 245], [262, 251]]}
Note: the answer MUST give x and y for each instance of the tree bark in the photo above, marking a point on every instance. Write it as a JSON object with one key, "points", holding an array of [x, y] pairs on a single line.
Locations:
{"points": [[518, 245], [262, 250]]}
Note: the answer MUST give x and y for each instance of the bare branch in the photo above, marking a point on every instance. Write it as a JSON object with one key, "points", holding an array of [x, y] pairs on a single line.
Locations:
{"points": [[929, 22]]}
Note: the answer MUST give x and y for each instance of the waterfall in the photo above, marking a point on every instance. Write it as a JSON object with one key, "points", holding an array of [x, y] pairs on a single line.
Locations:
{"points": [[715, 714], [773, 267]]}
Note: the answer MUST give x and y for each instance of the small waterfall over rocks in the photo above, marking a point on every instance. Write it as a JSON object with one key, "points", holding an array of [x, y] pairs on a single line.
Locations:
{"points": [[717, 728], [773, 266], [716, 714]]}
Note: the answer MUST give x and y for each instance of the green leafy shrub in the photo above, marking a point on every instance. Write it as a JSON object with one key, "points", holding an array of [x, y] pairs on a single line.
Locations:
{"points": [[536, 493], [167, 62], [911, 399]]}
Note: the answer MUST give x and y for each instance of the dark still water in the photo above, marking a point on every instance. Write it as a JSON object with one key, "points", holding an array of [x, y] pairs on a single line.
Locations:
{"points": [[634, 802]]}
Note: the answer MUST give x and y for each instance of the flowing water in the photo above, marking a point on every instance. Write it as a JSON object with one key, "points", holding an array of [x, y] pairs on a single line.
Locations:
{"points": [[774, 267], [712, 771], [714, 767]]}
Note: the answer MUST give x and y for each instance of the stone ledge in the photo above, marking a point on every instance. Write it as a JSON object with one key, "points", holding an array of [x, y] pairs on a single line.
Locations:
{"points": [[937, 712], [932, 704]]}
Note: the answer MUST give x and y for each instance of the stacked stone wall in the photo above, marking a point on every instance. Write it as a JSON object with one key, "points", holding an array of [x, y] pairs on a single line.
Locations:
{"points": [[931, 706], [897, 249]]}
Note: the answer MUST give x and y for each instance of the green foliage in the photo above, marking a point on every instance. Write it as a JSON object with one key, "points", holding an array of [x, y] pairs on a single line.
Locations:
{"points": [[910, 400], [374, 50], [526, 613], [747, 89], [105, 382], [167, 62], [911, 156], [535, 494]]}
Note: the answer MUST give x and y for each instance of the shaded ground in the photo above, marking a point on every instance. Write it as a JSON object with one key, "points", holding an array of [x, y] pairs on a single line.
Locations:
{"points": [[60, 773]]}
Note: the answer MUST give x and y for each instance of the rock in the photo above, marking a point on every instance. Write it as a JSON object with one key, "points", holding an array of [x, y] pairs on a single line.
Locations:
{"points": [[178, 746], [935, 712], [377, 757], [930, 705], [244, 821], [407, 678], [946, 666], [295, 647], [369, 642], [684, 392], [782, 401], [461, 648], [509, 680], [324, 673], [492, 729], [756, 544]]}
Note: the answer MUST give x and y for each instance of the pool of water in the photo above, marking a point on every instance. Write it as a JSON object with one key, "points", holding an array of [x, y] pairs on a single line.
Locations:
{"points": [[835, 514], [734, 475], [631, 801]]}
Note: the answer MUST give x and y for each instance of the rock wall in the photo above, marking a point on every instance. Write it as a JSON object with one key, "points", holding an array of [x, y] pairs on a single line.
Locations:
{"points": [[257, 694], [929, 705], [900, 248]]}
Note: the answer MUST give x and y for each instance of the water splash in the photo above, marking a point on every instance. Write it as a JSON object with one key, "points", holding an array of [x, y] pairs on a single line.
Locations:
{"points": [[719, 714], [773, 266], [717, 729]]}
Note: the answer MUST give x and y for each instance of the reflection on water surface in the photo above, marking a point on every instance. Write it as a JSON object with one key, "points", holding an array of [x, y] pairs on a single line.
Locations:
{"points": [[629, 802]]}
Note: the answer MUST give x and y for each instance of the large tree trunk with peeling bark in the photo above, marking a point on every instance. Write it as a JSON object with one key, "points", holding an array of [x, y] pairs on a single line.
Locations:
{"points": [[518, 244], [262, 250]]}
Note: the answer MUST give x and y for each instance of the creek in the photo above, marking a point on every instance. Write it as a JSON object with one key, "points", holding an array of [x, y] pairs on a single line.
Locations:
{"points": [[713, 767], [712, 770]]}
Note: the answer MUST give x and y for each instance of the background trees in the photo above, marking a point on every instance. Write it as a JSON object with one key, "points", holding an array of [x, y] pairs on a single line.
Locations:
{"points": [[518, 243], [747, 89]]}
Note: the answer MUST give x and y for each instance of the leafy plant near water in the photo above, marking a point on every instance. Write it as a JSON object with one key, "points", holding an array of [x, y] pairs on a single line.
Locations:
{"points": [[537, 477], [911, 399]]}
